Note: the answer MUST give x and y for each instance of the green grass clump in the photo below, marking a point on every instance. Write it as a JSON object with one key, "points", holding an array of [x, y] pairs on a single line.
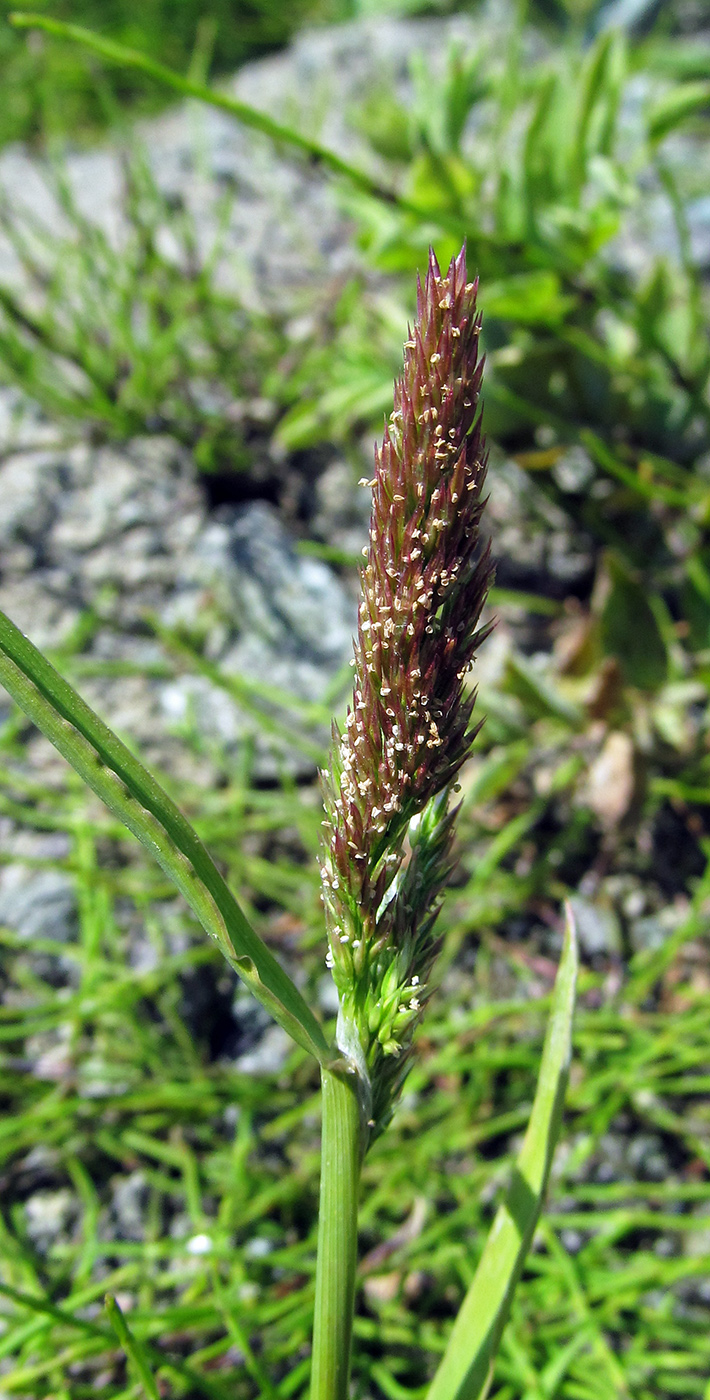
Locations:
{"points": [[121, 337], [216, 1277], [533, 165]]}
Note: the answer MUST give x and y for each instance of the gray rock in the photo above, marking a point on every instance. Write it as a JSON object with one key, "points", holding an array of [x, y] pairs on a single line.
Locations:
{"points": [[597, 927], [571, 1240], [133, 521], [342, 514], [574, 470], [652, 930], [129, 1204], [531, 536], [50, 1052], [608, 1161], [697, 1246], [328, 995], [294, 603], [23, 844], [283, 623], [80, 518], [258, 1247], [23, 427], [38, 904], [647, 1157], [49, 1216], [251, 1018], [41, 1160], [269, 1056]]}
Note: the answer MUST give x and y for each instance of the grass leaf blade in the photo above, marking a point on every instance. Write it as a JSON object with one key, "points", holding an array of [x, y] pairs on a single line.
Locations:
{"points": [[127, 57], [132, 1348], [317, 155], [678, 106], [43, 1308], [138, 800], [465, 1370]]}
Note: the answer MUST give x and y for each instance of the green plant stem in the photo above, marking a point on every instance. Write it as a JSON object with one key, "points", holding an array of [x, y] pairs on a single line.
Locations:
{"points": [[341, 1157], [253, 117], [318, 156]]}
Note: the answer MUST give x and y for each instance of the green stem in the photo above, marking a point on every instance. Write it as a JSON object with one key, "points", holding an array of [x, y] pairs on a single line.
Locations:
{"points": [[341, 1158], [251, 116]]}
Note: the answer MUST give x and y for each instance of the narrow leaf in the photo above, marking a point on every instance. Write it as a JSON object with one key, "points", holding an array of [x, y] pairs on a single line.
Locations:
{"points": [[49, 1312], [676, 107], [132, 1348], [630, 630], [465, 1371], [126, 57], [137, 799]]}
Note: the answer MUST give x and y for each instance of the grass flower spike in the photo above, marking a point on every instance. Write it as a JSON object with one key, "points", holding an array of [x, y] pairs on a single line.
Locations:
{"points": [[408, 731]]}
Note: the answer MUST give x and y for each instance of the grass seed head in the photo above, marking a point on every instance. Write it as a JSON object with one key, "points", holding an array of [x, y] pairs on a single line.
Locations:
{"points": [[408, 730]]}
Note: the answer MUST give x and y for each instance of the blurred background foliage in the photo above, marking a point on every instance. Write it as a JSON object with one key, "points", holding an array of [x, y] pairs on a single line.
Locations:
{"points": [[51, 89]]}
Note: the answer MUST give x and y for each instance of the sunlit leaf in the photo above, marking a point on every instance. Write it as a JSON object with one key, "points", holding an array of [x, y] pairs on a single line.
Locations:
{"points": [[677, 107], [132, 1348], [465, 1370]]}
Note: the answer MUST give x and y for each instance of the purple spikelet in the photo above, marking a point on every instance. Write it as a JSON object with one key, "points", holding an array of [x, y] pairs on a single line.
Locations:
{"points": [[408, 730]]}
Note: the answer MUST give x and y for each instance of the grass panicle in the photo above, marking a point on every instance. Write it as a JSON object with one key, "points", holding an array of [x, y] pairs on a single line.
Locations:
{"points": [[408, 730]]}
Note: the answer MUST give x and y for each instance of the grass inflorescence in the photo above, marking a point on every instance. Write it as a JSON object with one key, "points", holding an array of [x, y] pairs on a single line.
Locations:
{"points": [[408, 730]]}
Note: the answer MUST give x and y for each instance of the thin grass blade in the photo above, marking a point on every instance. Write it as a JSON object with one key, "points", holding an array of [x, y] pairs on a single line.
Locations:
{"points": [[138, 800], [464, 1373], [43, 1309], [317, 155], [678, 106], [132, 1348], [126, 57]]}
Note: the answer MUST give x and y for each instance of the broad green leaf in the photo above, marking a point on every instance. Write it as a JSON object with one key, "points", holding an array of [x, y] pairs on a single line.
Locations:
{"points": [[138, 800], [132, 1348], [676, 107], [539, 695], [465, 1371], [630, 630], [527, 298]]}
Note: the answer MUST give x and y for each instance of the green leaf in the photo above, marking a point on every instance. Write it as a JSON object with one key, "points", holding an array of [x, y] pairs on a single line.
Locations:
{"points": [[125, 57], [527, 298], [630, 630], [49, 1312], [138, 800], [465, 1371], [539, 695], [602, 82], [676, 107], [132, 1348]]}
